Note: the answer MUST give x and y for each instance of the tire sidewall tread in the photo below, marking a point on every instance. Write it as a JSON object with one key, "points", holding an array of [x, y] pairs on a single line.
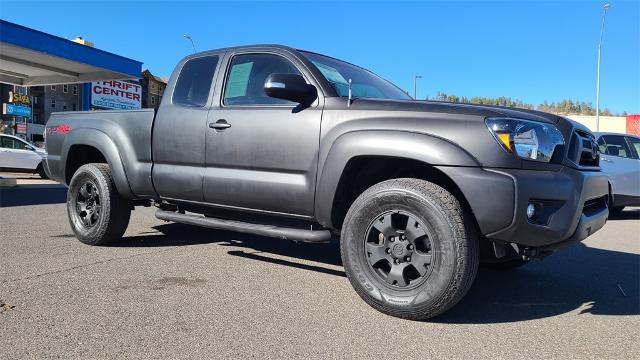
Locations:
{"points": [[116, 211], [455, 239]]}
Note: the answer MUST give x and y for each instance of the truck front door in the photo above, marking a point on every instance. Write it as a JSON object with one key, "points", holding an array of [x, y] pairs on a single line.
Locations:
{"points": [[261, 154]]}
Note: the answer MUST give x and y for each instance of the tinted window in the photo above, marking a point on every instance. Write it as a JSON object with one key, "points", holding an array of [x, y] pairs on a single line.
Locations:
{"points": [[194, 82], [246, 77], [11, 143], [616, 146], [635, 142]]}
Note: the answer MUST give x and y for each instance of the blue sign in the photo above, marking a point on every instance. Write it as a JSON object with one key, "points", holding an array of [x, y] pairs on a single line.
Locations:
{"points": [[17, 110]]}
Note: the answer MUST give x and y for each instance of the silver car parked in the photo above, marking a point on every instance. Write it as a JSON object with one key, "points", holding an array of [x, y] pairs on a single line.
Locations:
{"points": [[620, 160], [17, 155]]}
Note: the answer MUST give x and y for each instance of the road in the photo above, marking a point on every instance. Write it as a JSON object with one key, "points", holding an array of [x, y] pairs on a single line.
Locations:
{"points": [[174, 291]]}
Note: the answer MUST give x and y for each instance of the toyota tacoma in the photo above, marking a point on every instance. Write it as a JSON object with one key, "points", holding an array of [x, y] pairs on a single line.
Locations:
{"points": [[291, 144]]}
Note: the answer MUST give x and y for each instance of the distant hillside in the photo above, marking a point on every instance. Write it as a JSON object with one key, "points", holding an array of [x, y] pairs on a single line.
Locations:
{"points": [[564, 107]]}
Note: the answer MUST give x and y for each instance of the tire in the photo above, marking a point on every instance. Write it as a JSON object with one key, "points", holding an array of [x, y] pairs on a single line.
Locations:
{"points": [[40, 171], [448, 238], [505, 265], [106, 212]]}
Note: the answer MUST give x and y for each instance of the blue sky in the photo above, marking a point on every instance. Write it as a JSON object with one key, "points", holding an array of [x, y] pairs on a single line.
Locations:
{"points": [[533, 50]]}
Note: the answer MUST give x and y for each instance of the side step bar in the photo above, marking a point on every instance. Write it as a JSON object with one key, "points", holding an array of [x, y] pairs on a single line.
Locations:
{"points": [[295, 234]]}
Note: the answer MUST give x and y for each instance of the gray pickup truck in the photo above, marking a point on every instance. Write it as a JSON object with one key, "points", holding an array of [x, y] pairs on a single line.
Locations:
{"points": [[291, 144]]}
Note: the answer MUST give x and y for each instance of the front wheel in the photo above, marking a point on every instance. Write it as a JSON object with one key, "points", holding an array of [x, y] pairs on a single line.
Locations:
{"points": [[98, 214], [407, 249]]}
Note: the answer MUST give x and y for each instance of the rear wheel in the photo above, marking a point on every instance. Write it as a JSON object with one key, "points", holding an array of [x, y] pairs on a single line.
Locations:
{"points": [[406, 249], [98, 214], [40, 171]]}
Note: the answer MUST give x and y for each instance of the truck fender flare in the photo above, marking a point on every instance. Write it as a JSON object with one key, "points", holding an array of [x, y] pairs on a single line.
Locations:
{"points": [[426, 148], [103, 143]]}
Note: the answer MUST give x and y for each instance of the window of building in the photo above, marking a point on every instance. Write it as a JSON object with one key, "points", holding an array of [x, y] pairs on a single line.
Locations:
{"points": [[35, 118], [194, 82], [65, 88], [153, 100], [53, 87], [64, 107], [35, 100], [153, 85], [246, 77], [74, 89], [53, 103], [75, 107]]}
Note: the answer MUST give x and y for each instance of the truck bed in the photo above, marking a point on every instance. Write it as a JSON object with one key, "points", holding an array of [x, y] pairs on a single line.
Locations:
{"points": [[122, 136]]}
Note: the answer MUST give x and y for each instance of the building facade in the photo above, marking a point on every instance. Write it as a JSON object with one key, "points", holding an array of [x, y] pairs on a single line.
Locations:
{"points": [[55, 98], [152, 89]]}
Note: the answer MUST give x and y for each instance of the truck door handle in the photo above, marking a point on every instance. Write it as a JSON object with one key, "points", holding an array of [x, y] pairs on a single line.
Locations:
{"points": [[221, 124]]}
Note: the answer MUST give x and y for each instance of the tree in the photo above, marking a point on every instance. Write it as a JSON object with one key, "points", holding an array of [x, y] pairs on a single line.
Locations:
{"points": [[563, 107]]}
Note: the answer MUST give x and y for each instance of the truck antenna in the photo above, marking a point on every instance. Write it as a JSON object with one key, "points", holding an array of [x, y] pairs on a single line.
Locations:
{"points": [[349, 100]]}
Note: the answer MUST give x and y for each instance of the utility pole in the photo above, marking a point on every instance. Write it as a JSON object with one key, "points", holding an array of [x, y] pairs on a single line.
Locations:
{"points": [[188, 37], [604, 14], [415, 86]]}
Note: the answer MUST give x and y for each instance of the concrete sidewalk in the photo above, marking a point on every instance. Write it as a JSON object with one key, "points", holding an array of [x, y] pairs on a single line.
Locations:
{"points": [[24, 190], [13, 179]]}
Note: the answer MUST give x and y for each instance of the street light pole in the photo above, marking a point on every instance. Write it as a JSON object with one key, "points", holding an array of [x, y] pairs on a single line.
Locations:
{"points": [[188, 37], [415, 86], [604, 14]]}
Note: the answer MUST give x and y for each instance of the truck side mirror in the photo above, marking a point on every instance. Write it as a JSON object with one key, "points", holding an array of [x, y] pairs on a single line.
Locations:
{"points": [[290, 87]]}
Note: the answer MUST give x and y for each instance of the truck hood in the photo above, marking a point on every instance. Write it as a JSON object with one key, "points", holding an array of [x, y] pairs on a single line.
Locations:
{"points": [[455, 108]]}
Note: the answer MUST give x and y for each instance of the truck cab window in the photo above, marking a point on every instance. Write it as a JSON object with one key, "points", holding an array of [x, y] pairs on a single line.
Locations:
{"points": [[246, 76], [193, 84]]}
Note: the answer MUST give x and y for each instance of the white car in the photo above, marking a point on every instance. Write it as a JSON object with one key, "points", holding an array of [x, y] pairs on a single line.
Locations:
{"points": [[17, 155], [620, 160]]}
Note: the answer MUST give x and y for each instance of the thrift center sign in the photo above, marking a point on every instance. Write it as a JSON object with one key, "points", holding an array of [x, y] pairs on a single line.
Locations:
{"points": [[113, 94]]}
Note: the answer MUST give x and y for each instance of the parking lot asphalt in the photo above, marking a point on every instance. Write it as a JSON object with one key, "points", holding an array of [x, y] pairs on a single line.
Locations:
{"points": [[175, 291]]}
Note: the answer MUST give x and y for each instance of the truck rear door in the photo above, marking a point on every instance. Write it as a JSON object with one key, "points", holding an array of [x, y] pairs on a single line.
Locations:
{"points": [[178, 143]]}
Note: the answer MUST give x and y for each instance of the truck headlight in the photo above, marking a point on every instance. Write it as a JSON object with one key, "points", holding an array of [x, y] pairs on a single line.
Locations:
{"points": [[529, 140]]}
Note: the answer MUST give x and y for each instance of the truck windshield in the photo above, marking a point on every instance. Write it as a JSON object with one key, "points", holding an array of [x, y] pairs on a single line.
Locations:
{"points": [[364, 84]]}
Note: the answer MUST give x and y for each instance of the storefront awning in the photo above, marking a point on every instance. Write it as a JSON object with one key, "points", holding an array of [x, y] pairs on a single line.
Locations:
{"points": [[30, 57]]}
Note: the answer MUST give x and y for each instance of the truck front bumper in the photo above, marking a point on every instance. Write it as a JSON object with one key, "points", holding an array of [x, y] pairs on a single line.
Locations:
{"points": [[569, 205]]}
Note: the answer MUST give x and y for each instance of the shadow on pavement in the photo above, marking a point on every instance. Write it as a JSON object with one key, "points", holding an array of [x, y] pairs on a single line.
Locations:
{"points": [[595, 281], [580, 278], [37, 194], [627, 214]]}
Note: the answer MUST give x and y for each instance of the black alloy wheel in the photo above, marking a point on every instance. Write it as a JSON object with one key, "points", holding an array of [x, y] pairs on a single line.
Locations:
{"points": [[398, 249], [88, 204]]}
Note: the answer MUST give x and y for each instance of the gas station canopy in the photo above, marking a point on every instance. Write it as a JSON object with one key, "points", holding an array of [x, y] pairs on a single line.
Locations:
{"points": [[30, 58]]}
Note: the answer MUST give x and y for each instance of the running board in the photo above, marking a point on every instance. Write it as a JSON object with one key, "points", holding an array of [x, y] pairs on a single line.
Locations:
{"points": [[295, 234]]}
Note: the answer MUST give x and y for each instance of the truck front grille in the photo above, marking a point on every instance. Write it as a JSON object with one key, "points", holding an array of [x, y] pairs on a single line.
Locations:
{"points": [[583, 150]]}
